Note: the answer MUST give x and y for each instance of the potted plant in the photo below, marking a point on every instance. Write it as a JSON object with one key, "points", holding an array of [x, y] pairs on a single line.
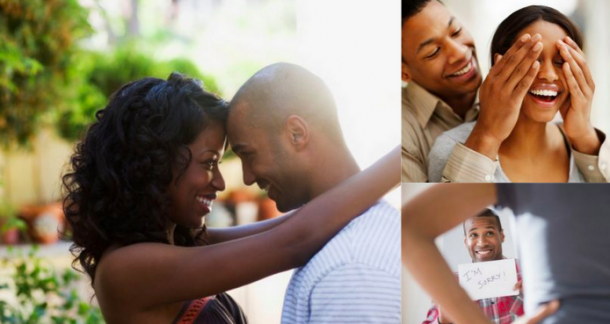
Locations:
{"points": [[45, 222], [10, 225]]}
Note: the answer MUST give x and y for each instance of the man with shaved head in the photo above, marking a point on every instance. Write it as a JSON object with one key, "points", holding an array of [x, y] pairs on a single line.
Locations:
{"points": [[283, 125]]}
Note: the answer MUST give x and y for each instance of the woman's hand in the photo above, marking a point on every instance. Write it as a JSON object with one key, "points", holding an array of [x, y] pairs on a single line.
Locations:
{"points": [[542, 312], [502, 93], [577, 112]]}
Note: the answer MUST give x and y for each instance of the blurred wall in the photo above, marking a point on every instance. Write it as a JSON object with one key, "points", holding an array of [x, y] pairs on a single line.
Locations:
{"points": [[35, 176]]}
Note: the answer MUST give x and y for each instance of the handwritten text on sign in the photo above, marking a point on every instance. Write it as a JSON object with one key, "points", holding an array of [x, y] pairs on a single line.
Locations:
{"points": [[489, 279]]}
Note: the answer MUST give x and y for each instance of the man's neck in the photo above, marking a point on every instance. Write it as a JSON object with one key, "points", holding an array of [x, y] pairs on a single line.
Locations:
{"points": [[460, 104], [334, 168]]}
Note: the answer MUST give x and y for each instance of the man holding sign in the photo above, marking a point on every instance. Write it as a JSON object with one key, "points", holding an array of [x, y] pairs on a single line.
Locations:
{"points": [[562, 238], [486, 279]]}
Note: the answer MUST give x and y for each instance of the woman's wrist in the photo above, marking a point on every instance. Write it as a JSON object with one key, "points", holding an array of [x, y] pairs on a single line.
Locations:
{"points": [[480, 141], [588, 143]]}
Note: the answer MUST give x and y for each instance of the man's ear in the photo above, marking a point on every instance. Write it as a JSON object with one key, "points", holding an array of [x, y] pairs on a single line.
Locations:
{"points": [[502, 235], [297, 130], [405, 73]]}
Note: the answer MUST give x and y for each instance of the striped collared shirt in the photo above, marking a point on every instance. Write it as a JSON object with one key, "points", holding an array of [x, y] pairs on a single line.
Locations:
{"points": [[424, 118], [355, 278]]}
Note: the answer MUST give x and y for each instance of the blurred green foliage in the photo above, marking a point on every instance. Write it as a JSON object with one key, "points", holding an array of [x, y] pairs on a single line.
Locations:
{"points": [[8, 218], [42, 294], [8, 215], [37, 47], [46, 76], [102, 74]]}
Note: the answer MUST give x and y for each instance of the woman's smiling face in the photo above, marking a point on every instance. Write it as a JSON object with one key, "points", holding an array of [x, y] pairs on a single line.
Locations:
{"points": [[549, 91], [194, 190]]}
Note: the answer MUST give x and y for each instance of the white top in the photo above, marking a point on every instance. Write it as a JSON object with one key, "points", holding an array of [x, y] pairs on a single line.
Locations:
{"points": [[444, 145], [355, 278]]}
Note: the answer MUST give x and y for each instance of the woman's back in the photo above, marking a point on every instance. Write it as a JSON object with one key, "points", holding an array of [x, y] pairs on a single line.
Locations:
{"points": [[562, 239], [219, 309]]}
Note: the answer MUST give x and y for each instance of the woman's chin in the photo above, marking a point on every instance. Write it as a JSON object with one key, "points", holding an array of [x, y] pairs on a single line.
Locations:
{"points": [[546, 117], [543, 112], [539, 115]]}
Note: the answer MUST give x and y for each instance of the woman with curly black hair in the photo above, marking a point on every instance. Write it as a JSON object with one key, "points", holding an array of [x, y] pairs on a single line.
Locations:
{"points": [[152, 146]]}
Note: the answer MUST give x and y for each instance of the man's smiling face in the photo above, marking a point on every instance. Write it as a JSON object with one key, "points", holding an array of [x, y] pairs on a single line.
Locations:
{"points": [[438, 53], [267, 161], [484, 238]]}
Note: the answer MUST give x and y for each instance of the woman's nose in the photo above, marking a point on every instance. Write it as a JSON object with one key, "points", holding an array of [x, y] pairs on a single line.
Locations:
{"points": [[218, 182], [548, 71]]}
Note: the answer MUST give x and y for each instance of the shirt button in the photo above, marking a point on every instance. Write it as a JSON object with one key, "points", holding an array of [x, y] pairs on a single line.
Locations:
{"points": [[591, 168], [488, 178], [603, 166]]}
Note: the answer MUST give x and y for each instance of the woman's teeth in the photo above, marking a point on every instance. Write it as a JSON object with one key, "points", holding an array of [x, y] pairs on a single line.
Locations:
{"points": [[207, 202], [546, 93], [463, 71]]}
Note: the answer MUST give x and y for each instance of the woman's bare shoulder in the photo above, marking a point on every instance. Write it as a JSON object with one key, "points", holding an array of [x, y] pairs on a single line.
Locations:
{"points": [[120, 266]]}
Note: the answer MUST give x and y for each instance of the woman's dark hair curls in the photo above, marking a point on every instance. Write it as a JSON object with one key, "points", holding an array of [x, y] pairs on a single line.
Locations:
{"points": [[116, 191]]}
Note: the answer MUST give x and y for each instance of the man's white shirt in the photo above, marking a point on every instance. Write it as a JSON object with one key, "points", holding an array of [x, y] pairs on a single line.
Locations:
{"points": [[355, 278]]}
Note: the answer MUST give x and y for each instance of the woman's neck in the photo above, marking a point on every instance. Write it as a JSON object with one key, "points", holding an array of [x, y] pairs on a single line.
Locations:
{"points": [[529, 138], [535, 152]]}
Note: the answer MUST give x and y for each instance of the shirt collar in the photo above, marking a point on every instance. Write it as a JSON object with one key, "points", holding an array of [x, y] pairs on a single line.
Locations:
{"points": [[426, 104]]}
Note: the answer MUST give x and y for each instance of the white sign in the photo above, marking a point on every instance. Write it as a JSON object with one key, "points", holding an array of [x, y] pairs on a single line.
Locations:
{"points": [[489, 279]]}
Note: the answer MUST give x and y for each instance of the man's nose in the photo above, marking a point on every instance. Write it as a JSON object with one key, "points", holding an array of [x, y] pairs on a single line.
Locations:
{"points": [[456, 51], [481, 241], [249, 177]]}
